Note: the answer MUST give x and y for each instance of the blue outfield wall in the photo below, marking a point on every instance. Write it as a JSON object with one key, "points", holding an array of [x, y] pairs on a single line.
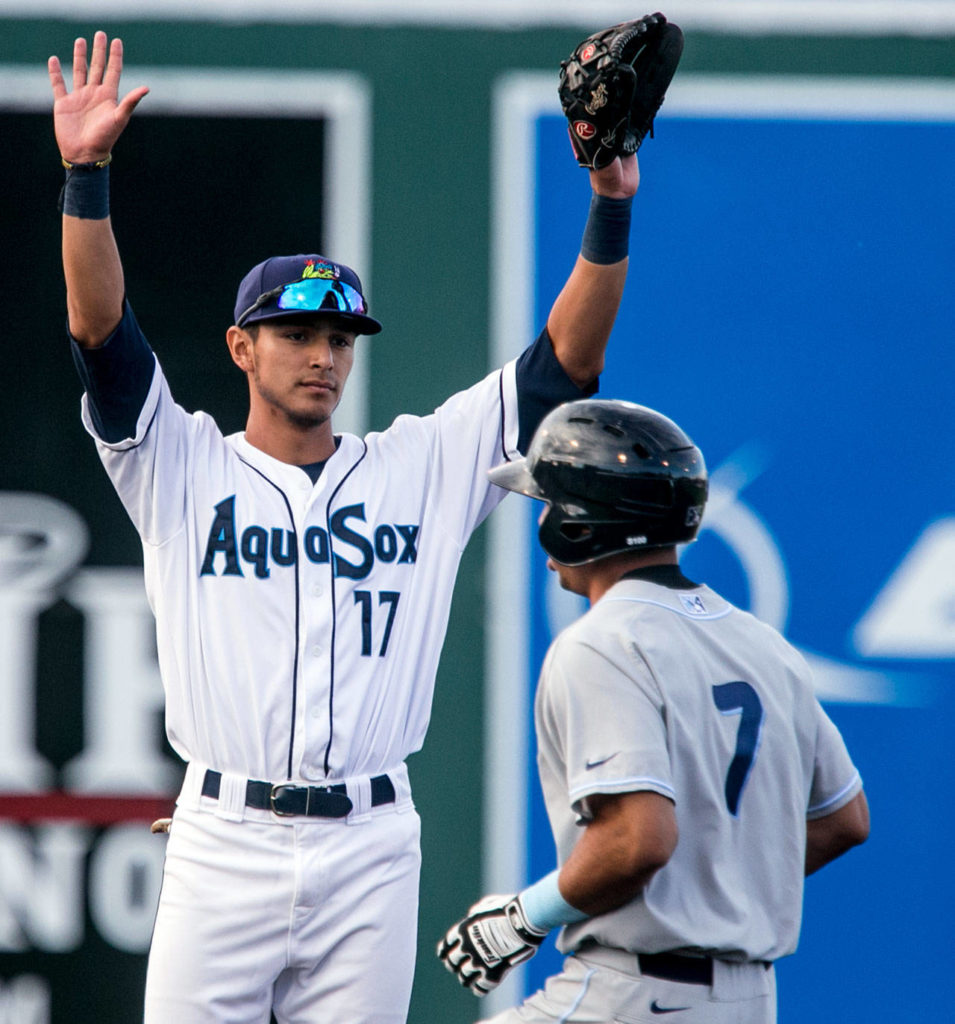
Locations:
{"points": [[790, 304]]}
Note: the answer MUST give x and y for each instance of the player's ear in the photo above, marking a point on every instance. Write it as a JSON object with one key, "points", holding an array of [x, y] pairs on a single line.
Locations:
{"points": [[240, 347]]}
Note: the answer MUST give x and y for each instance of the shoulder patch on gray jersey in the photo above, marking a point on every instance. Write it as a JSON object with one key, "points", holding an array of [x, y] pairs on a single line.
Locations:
{"points": [[694, 604]]}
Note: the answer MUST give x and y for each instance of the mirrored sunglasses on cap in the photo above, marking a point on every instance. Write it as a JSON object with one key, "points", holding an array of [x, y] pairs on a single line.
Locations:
{"points": [[312, 295]]}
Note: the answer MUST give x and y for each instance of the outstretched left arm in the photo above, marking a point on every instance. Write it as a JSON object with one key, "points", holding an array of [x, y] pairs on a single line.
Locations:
{"points": [[583, 314]]}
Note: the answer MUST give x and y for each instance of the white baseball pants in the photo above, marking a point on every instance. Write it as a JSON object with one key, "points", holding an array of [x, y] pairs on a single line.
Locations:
{"points": [[315, 921]]}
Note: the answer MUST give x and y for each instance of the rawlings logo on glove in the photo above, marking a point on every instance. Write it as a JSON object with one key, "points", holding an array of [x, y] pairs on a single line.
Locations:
{"points": [[613, 84]]}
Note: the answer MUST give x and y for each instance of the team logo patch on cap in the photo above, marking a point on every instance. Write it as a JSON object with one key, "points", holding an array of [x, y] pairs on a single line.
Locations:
{"points": [[327, 271]]}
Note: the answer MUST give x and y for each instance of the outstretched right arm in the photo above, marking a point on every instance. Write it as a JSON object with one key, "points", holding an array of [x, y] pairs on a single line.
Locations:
{"points": [[87, 123]]}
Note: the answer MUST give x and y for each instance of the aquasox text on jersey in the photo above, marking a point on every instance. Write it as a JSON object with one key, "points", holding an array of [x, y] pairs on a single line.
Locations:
{"points": [[262, 547]]}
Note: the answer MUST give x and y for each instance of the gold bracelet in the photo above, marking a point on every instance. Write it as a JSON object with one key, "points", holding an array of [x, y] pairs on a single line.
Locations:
{"points": [[96, 165]]}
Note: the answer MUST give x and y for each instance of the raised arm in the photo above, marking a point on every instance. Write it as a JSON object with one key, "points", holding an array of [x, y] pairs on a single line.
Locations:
{"points": [[87, 122], [610, 89], [583, 314]]}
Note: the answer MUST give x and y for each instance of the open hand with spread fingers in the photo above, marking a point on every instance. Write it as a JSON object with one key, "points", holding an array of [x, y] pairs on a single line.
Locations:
{"points": [[89, 119]]}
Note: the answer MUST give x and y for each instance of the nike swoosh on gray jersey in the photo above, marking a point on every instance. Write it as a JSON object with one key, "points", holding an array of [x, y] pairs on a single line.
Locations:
{"points": [[597, 761]]}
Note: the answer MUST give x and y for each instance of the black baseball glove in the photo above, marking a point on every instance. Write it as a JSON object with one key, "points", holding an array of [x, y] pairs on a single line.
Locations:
{"points": [[612, 85]]}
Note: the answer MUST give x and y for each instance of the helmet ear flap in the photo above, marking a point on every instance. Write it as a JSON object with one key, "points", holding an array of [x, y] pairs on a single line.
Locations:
{"points": [[567, 541], [576, 532]]}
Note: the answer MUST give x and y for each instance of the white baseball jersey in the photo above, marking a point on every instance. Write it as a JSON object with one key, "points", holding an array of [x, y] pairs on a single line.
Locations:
{"points": [[299, 628], [678, 692], [300, 625]]}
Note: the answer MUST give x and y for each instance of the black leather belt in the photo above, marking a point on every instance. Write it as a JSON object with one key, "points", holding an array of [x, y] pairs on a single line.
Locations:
{"points": [[691, 970], [287, 799]]}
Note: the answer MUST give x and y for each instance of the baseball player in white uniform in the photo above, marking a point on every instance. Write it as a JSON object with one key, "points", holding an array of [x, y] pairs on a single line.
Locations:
{"points": [[691, 777], [301, 583]]}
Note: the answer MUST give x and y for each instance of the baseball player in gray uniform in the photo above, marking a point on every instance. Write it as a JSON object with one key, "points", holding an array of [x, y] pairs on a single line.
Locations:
{"points": [[301, 583], [690, 776]]}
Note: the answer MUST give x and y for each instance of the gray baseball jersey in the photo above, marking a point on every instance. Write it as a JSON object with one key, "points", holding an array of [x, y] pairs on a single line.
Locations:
{"points": [[679, 692]]}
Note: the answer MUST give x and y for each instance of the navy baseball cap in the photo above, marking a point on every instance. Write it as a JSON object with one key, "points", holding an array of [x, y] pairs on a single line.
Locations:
{"points": [[287, 286]]}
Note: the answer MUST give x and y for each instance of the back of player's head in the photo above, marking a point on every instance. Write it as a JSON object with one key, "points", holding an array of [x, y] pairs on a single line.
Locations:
{"points": [[615, 476], [284, 287]]}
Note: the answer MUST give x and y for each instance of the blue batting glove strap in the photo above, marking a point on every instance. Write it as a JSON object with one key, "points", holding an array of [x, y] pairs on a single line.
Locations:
{"points": [[544, 906], [607, 233]]}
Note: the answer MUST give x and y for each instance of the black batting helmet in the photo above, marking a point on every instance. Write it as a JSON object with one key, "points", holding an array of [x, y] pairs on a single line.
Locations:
{"points": [[615, 477]]}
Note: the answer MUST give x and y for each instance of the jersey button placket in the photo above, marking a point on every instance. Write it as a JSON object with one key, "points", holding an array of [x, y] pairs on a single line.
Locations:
{"points": [[315, 695], [315, 627], [316, 667]]}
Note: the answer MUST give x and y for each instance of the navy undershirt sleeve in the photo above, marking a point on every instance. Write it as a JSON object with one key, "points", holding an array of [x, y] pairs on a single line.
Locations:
{"points": [[116, 376], [542, 385]]}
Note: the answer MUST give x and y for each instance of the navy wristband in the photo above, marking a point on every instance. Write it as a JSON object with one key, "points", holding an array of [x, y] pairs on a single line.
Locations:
{"points": [[85, 192], [607, 234]]}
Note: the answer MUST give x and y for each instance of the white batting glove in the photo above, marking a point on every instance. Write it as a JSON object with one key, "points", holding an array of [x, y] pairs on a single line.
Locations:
{"points": [[494, 937]]}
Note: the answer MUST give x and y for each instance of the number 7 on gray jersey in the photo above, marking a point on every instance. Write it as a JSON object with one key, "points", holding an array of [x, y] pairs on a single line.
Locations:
{"points": [[740, 697]]}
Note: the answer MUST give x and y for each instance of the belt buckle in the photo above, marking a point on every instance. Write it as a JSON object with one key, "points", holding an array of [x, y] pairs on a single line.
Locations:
{"points": [[273, 793]]}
